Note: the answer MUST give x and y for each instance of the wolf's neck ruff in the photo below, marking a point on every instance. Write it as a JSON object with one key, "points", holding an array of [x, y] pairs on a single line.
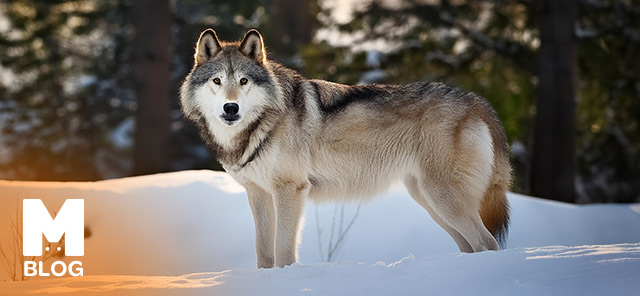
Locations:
{"points": [[254, 138], [246, 144]]}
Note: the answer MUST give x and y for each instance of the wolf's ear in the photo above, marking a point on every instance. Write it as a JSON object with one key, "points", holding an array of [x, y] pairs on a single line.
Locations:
{"points": [[253, 47], [208, 46]]}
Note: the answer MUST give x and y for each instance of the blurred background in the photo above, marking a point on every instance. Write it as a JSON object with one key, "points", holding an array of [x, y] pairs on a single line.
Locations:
{"points": [[89, 89]]}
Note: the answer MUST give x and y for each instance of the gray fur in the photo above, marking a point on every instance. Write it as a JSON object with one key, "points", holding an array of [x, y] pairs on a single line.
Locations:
{"points": [[301, 139]]}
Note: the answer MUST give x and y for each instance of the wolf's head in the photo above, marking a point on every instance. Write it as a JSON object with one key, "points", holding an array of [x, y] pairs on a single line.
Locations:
{"points": [[230, 83]]}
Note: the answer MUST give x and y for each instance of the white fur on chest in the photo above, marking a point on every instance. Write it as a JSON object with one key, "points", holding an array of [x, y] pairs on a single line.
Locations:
{"points": [[261, 171]]}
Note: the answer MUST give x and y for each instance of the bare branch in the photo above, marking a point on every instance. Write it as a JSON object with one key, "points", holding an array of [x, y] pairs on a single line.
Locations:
{"points": [[343, 233], [319, 233]]}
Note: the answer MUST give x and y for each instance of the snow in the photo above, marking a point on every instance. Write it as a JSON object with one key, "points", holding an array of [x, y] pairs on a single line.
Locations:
{"points": [[191, 233], [587, 270]]}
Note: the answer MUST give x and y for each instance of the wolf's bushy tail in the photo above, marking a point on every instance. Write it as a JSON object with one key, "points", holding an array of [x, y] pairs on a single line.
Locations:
{"points": [[495, 213]]}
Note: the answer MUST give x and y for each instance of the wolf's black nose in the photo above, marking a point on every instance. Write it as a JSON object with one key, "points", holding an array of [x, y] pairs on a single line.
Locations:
{"points": [[231, 108]]}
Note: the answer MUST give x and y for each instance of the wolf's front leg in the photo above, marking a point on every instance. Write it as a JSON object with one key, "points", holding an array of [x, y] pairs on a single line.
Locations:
{"points": [[264, 217], [289, 201]]}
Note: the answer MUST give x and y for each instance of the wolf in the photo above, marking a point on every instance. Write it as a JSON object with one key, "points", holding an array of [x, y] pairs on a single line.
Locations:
{"points": [[288, 139]]}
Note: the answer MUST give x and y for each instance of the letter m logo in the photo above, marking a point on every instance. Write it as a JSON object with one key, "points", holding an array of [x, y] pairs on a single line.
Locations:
{"points": [[36, 221]]}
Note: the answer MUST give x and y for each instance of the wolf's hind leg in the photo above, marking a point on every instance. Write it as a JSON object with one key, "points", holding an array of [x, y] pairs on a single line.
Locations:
{"points": [[458, 197], [462, 215], [419, 196], [456, 189], [264, 217]]}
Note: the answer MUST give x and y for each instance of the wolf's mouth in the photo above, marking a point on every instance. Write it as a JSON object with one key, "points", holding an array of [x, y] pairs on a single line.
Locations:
{"points": [[230, 119]]}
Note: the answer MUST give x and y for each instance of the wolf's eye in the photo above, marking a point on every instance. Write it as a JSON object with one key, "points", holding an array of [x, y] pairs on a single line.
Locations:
{"points": [[243, 81], [216, 80]]}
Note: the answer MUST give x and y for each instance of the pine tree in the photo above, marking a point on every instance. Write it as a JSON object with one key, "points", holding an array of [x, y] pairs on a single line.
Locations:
{"points": [[63, 92]]}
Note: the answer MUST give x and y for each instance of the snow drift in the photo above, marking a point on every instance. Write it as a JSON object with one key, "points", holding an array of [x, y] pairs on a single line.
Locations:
{"points": [[191, 232]]}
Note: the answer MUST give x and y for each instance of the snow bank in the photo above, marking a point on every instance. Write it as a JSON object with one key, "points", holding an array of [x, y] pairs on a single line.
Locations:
{"points": [[585, 270], [194, 230]]}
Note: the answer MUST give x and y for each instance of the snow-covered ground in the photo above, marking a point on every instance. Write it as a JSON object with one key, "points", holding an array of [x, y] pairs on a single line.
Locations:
{"points": [[191, 233]]}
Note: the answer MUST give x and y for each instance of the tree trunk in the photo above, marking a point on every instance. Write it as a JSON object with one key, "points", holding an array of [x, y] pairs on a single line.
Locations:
{"points": [[152, 70], [552, 174], [292, 25]]}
